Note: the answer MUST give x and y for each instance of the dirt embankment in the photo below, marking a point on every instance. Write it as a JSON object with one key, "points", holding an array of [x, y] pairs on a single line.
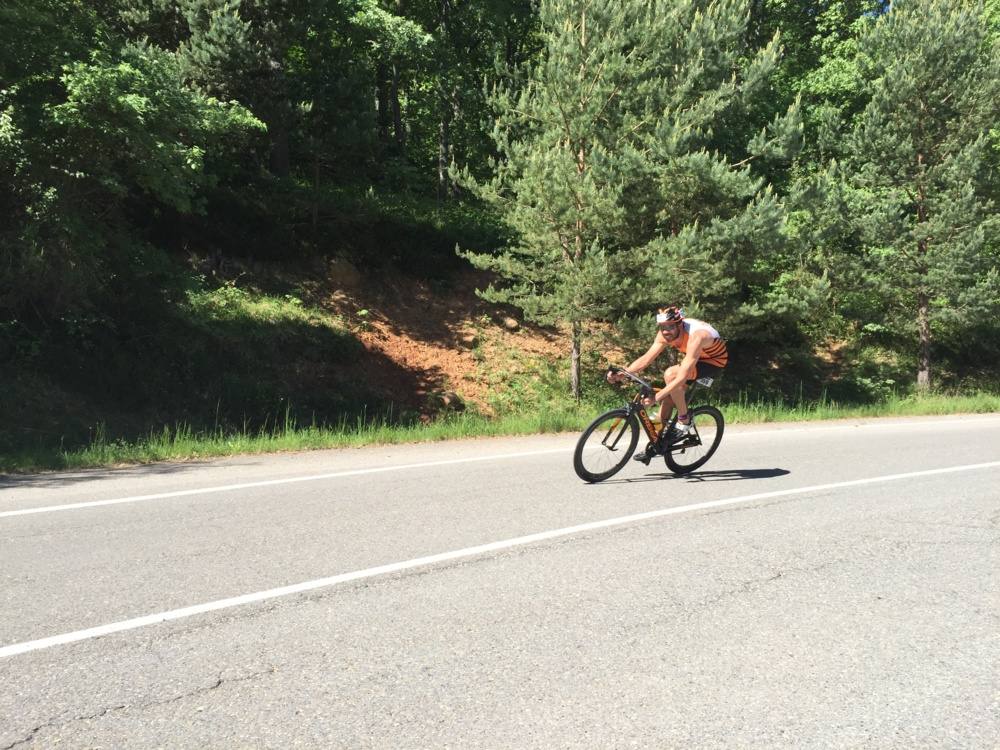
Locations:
{"points": [[426, 343]]}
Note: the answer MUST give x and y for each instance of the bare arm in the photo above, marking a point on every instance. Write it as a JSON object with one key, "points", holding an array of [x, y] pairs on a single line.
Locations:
{"points": [[654, 351]]}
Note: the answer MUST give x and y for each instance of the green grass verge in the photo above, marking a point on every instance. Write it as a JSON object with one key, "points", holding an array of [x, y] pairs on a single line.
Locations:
{"points": [[182, 443], [745, 411]]}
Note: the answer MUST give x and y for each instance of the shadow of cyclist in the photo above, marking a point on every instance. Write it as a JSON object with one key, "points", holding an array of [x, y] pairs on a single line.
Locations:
{"points": [[729, 475], [725, 475]]}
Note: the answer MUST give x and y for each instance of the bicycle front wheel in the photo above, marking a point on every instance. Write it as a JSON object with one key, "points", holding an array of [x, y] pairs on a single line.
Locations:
{"points": [[694, 450], [606, 445]]}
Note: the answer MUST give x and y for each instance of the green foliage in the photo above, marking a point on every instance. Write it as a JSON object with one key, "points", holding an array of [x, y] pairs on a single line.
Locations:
{"points": [[393, 36], [221, 357], [129, 124], [612, 167], [121, 137], [916, 164], [621, 155]]}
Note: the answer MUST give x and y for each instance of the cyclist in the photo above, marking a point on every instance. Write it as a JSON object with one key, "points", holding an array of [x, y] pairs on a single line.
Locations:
{"points": [[705, 355]]}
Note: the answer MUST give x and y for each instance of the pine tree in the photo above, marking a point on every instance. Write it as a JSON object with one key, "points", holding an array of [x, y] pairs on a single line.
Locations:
{"points": [[616, 160], [914, 163], [218, 50]]}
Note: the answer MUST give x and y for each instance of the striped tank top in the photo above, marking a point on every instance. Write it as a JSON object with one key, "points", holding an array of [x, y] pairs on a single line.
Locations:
{"points": [[713, 353]]}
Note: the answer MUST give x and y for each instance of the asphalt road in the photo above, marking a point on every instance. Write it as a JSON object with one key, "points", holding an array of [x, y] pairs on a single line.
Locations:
{"points": [[823, 585]]}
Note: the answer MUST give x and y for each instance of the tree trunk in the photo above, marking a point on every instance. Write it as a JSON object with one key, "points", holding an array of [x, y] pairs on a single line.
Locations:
{"points": [[449, 113], [924, 329], [574, 370], [382, 102], [455, 113], [315, 205], [397, 111], [444, 147], [578, 246], [280, 160], [448, 97], [278, 121], [923, 298]]}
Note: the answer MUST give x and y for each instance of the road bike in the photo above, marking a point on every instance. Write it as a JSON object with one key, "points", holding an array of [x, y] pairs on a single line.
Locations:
{"points": [[610, 440]]}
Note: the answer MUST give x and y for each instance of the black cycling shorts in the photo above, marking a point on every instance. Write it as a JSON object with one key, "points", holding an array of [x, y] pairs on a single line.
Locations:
{"points": [[705, 370]]}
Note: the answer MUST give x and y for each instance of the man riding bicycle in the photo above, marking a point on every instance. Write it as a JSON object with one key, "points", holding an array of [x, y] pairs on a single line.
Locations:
{"points": [[705, 356]]}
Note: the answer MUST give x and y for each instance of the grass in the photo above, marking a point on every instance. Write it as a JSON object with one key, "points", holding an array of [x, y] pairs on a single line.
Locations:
{"points": [[745, 411], [182, 443]]}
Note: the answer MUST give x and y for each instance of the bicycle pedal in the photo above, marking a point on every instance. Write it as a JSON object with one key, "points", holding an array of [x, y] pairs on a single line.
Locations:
{"points": [[685, 441]]}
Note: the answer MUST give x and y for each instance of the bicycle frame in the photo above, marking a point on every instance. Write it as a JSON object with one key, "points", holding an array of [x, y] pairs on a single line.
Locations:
{"points": [[636, 407], [607, 443]]}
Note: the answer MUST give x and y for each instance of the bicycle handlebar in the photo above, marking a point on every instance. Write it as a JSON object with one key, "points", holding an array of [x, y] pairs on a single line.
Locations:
{"points": [[646, 386]]}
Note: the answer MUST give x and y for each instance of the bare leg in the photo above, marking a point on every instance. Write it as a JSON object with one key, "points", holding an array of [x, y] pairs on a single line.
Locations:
{"points": [[667, 405], [666, 409], [680, 399]]}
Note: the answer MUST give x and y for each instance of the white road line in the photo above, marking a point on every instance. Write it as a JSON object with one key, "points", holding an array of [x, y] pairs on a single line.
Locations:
{"points": [[777, 432], [269, 483], [482, 549], [855, 422], [778, 429]]}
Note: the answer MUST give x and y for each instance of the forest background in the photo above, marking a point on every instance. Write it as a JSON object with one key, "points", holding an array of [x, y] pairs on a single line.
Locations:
{"points": [[206, 205]]}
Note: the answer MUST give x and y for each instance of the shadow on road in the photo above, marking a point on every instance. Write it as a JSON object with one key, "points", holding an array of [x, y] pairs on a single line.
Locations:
{"points": [[726, 475], [54, 479], [730, 474]]}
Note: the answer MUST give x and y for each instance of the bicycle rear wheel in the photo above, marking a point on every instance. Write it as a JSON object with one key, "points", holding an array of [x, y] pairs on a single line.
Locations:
{"points": [[606, 445], [694, 450]]}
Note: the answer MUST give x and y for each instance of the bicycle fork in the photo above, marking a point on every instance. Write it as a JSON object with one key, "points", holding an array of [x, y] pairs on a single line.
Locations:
{"points": [[613, 428]]}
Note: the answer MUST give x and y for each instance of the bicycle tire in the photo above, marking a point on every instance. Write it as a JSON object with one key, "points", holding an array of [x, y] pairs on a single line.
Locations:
{"points": [[708, 422], [597, 461]]}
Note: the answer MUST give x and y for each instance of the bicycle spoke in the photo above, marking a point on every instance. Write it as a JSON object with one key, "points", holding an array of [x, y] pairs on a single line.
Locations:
{"points": [[706, 431], [600, 451]]}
